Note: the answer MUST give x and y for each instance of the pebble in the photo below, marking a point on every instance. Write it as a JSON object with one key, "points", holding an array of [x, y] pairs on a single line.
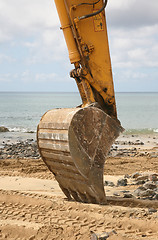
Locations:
{"points": [[149, 185], [122, 182], [127, 176], [116, 194], [94, 236], [108, 183], [140, 182], [152, 210], [129, 227], [28, 148], [147, 190], [153, 177], [135, 175], [156, 197], [138, 191], [24, 149], [148, 193], [143, 177], [102, 236], [128, 195], [32, 237], [144, 235]]}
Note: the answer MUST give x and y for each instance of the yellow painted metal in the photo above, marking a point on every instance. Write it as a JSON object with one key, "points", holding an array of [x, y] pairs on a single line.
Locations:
{"points": [[85, 93], [92, 43], [98, 22], [66, 27]]}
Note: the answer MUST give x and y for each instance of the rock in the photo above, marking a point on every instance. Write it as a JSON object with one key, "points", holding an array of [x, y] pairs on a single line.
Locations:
{"points": [[102, 236], [129, 227], [94, 236], [32, 237], [4, 129], [153, 156], [153, 177], [140, 182], [125, 191], [156, 197], [116, 194], [138, 191], [152, 210], [108, 183], [128, 195], [25, 149], [144, 235], [149, 185], [148, 193], [127, 176], [142, 177], [122, 182], [136, 175]]}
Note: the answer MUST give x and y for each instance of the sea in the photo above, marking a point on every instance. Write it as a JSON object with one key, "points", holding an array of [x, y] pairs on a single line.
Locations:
{"points": [[21, 112]]}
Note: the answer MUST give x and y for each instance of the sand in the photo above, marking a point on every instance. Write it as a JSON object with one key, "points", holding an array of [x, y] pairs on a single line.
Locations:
{"points": [[32, 206]]}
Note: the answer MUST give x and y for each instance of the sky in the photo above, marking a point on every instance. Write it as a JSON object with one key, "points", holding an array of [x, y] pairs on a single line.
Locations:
{"points": [[34, 57]]}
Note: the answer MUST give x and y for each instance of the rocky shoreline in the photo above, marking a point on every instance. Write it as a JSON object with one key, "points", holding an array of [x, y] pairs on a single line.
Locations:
{"points": [[20, 150], [145, 186], [121, 148]]}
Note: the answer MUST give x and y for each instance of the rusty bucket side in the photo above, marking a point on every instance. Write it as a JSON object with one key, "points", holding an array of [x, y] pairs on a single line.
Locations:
{"points": [[74, 144], [91, 134]]}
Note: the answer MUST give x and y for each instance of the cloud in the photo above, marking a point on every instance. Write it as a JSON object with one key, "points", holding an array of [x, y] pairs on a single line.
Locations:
{"points": [[132, 13], [30, 37], [26, 17], [133, 32], [50, 46], [7, 77], [28, 76], [134, 48], [133, 26], [5, 58], [43, 77], [33, 25]]}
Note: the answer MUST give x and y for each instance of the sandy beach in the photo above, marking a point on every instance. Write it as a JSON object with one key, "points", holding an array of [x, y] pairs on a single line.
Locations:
{"points": [[32, 206]]}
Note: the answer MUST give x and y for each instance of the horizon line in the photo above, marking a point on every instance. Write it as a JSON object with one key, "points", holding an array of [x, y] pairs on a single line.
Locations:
{"points": [[73, 92]]}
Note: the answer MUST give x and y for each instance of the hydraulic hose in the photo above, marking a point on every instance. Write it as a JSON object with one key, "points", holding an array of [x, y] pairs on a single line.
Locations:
{"points": [[88, 3], [95, 13]]}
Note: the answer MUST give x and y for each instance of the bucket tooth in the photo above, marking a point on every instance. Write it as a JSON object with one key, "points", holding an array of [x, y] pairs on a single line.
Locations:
{"points": [[74, 144]]}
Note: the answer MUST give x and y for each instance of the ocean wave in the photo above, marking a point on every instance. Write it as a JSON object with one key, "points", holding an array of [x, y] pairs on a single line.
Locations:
{"points": [[127, 131], [141, 131], [19, 129]]}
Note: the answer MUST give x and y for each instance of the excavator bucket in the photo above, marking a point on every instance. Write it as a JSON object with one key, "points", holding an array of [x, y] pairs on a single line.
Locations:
{"points": [[74, 144]]}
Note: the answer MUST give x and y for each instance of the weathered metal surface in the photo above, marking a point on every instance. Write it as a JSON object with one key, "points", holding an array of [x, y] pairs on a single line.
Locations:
{"points": [[74, 143]]}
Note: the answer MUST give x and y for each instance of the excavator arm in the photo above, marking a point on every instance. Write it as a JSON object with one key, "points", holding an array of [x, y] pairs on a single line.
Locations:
{"points": [[84, 27], [74, 142]]}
